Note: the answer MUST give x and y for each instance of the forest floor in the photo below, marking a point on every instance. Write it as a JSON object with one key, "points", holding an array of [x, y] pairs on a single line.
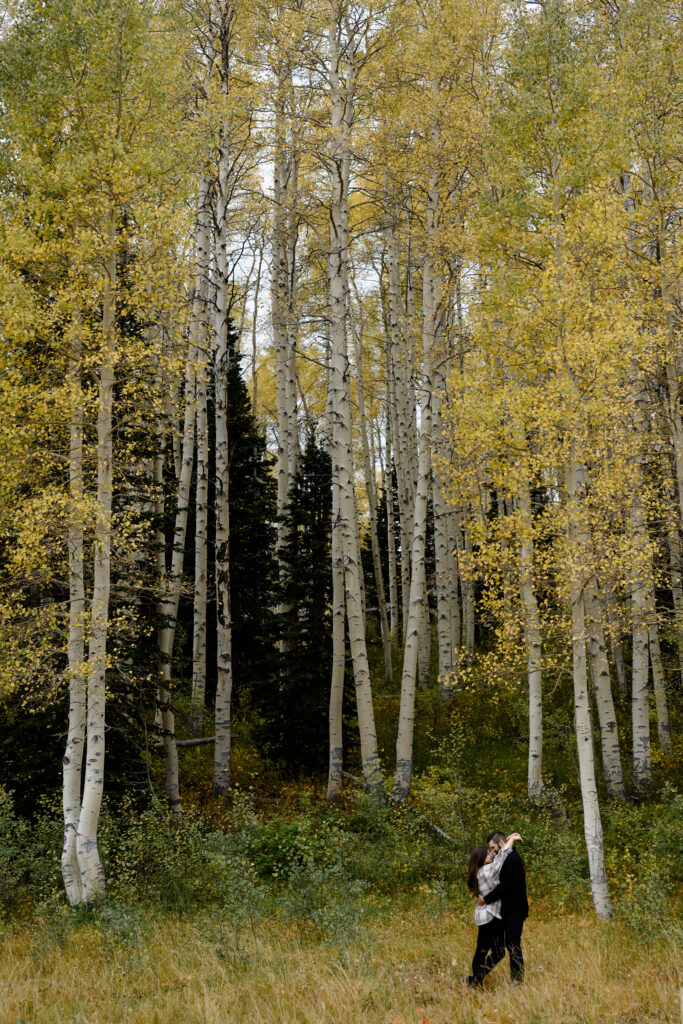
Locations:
{"points": [[405, 965]]}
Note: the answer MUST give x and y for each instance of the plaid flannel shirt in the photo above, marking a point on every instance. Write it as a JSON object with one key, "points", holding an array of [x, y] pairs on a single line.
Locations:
{"points": [[488, 877]]}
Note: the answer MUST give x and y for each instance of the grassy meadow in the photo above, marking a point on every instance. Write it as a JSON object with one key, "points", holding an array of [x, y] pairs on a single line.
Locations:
{"points": [[406, 965]]}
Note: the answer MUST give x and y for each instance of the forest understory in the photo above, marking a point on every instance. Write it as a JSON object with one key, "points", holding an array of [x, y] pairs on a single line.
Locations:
{"points": [[277, 906]]}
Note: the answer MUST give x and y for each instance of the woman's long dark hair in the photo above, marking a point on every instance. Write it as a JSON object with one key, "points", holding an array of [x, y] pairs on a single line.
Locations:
{"points": [[476, 860]]}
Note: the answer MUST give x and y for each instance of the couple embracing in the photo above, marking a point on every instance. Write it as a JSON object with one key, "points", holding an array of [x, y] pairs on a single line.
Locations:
{"points": [[496, 878]]}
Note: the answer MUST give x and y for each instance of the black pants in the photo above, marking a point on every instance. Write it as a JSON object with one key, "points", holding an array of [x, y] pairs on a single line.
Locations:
{"points": [[490, 949], [513, 943]]}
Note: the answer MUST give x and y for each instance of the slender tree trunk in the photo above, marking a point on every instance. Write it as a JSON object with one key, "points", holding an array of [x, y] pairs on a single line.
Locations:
{"points": [[453, 577], [616, 648], [340, 407], [467, 592], [394, 612], [171, 584], [403, 414], [532, 634], [602, 688], [223, 705], [576, 483], [200, 328], [415, 605], [73, 755], [336, 760], [642, 761], [372, 500], [254, 337], [444, 566], [406, 718], [658, 684], [92, 872]]}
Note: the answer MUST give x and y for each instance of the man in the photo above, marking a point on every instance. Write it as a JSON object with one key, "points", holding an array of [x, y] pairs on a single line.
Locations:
{"points": [[511, 891]]}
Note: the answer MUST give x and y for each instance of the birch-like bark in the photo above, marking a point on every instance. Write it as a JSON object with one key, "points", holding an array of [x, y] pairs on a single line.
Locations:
{"points": [[640, 714], [171, 583], [254, 336], [532, 636], [73, 755], [578, 548], [394, 613], [223, 704], [616, 647], [356, 330], [415, 605], [406, 717], [602, 689], [454, 582], [90, 865], [445, 581], [403, 416], [336, 758], [202, 372], [341, 96]]}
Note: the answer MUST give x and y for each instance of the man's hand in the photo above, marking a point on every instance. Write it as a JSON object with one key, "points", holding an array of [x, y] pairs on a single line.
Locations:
{"points": [[481, 901]]}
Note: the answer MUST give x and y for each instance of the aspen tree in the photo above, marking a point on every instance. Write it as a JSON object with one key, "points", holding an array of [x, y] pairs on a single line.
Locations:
{"points": [[576, 483], [356, 322], [417, 593], [225, 17], [532, 628], [342, 71], [73, 756], [599, 668], [202, 373]]}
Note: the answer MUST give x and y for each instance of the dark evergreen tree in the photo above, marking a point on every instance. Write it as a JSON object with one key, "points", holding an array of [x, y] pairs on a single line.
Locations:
{"points": [[302, 696], [253, 567]]}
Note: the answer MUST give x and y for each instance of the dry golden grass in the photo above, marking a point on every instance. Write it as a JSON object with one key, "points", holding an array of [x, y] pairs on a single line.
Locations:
{"points": [[405, 967]]}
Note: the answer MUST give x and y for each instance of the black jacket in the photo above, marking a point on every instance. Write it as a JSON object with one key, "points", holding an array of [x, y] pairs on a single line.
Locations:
{"points": [[511, 889]]}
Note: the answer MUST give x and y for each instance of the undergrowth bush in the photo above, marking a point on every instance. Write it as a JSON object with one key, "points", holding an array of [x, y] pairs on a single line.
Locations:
{"points": [[319, 865]]}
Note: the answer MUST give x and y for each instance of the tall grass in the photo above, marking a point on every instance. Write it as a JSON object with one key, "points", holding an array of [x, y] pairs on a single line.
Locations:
{"points": [[405, 964]]}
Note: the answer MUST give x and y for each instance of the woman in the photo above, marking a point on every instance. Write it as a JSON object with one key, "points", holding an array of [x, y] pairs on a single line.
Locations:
{"points": [[483, 874]]}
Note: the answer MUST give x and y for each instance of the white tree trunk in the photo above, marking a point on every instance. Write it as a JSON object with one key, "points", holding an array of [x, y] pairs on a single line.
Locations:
{"points": [[576, 482], [602, 688], [403, 414], [340, 406], [467, 591], [92, 872], [223, 705], [406, 718], [532, 636], [336, 756], [73, 755], [658, 684], [445, 582], [394, 612], [418, 592], [171, 583], [200, 327], [642, 761], [369, 469], [453, 578]]}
